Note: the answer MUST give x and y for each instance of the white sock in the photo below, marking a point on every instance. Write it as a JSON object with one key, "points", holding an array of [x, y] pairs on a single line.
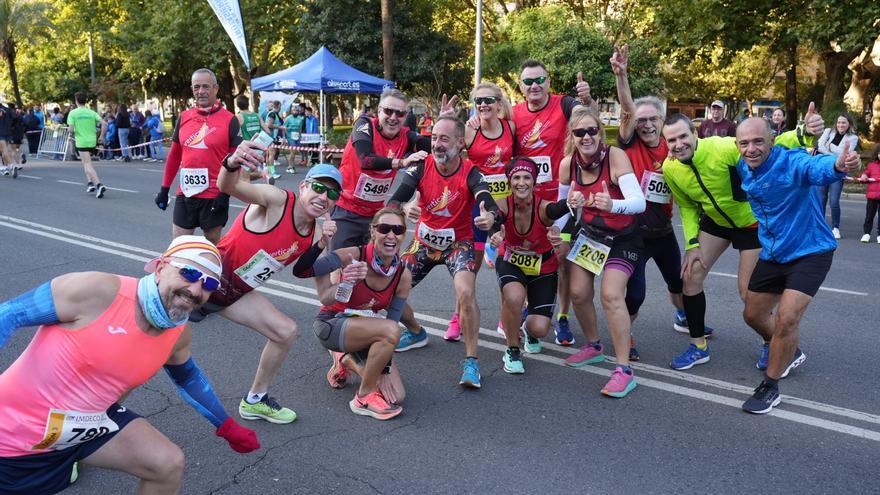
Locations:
{"points": [[253, 398]]}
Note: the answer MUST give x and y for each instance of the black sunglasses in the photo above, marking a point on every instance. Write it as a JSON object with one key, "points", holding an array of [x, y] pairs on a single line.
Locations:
{"points": [[192, 274], [581, 132], [532, 80], [384, 228], [390, 111], [488, 100], [320, 188]]}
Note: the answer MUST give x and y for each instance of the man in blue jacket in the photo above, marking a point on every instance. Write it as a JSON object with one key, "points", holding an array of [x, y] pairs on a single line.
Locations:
{"points": [[797, 245]]}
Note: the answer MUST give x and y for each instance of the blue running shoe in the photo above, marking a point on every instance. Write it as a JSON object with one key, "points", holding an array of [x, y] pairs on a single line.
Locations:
{"points": [[409, 340], [680, 324], [764, 357], [470, 373], [490, 253], [692, 356], [799, 358], [563, 332]]}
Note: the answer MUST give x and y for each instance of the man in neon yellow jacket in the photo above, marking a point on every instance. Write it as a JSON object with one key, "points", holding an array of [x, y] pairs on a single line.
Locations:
{"points": [[702, 176]]}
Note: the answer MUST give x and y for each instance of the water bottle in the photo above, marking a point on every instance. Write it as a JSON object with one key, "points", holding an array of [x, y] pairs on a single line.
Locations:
{"points": [[343, 290]]}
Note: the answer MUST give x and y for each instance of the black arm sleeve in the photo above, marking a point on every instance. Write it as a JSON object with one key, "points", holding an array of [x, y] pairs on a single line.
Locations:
{"points": [[558, 209], [419, 142], [234, 133], [362, 141], [175, 134], [568, 104], [303, 268], [480, 190], [409, 182]]}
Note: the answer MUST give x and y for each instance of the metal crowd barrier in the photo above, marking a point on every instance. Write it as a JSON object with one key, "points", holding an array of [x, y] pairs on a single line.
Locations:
{"points": [[54, 143]]}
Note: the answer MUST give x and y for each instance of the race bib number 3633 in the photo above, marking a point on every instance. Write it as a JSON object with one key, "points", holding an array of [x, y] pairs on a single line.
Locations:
{"points": [[589, 254], [193, 181], [69, 428], [439, 239]]}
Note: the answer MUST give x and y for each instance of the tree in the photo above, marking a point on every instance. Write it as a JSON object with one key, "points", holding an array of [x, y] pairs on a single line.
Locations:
{"points": [[387, 40], [20, 19]]}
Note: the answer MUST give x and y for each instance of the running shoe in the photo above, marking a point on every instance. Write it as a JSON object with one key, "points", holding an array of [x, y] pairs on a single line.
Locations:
{"points": [[836, 232], [500, 328], [620, 384], [470, 373], [530, 344], [74, 473], [513, 362], [633, 352], [588, 354], [691, 357], [765, 398], [799, 358], [4, 170], [338, 374], [489, 256], [99, 192], [680, 324], [563, 332], [90, 188], [271, 181], [374, 405], [453, 332], [764, 357], [291, 170], [15, 169], [276, 176], [268, 409], [866, 238], [409, 340]]}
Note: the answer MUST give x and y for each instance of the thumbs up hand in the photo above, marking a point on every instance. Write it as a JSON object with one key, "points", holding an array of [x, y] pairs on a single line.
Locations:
{"points": [[497, 238], [813, 121], [576, 199], [486, 218], [583, 89], [848, 161], [602, 201], [328, 229]]}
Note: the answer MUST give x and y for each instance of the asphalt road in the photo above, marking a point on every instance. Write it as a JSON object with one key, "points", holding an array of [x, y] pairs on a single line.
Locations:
{"points": [[547, 431]]}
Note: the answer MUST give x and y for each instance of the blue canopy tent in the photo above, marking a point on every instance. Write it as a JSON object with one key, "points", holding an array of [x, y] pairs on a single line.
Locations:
{"points": [[321, 73]]}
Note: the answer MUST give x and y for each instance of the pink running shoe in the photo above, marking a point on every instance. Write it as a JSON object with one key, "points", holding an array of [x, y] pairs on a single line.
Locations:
{"points": [[500, 328], [587, 355], [620, 384], [453, 333], [338, 374], [374, 405]]}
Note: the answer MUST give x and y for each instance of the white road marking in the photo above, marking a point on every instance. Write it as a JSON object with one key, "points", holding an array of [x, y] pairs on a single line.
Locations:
{"points": [[829, 289], [108, 187], [69, 182], [152, 170], [102, 245], [30, 176]]}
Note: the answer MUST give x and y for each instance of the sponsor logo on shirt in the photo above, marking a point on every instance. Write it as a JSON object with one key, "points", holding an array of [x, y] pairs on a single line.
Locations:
{"points": [[197, 139], [532, 139], [283, 254], [440, 206]]}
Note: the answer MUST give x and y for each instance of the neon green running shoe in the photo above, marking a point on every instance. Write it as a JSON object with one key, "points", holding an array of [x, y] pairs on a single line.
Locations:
{"points": [[267, 409], [74, 473]]}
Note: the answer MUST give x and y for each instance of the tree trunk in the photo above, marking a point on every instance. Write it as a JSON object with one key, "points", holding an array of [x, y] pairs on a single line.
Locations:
{"points": [[875, 120], [835, 70], [791, 99], [387, 41], [13, 76]]}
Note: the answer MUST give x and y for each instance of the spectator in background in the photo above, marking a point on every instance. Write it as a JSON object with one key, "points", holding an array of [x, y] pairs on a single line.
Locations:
{"points": [[111, 139], [745, 114], [832, 142], [57, 117], [136, 134], [17, 135], [123, 130], [32, 129], [5, 139], [38, 113], [717, 125], [155, 132], [426, 123], [294, 125], [777, 122], [411, 120], [872, 171], [311, 128]]}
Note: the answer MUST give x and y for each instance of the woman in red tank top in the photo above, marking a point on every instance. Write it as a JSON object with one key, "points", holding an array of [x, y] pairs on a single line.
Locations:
{"points": [[526, 265], [357, 337], [602, 182]]}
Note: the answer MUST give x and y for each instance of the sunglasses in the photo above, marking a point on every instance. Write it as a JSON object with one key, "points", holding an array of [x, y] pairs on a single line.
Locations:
{"points": [[645, 120], [581, 132], [530, 81], [384, 228], [192, 274], [390, 111], [488, 100], [320, 188]]}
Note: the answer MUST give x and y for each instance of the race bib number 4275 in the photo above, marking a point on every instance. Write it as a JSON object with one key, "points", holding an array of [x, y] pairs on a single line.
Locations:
{"points": [[439, 239]]}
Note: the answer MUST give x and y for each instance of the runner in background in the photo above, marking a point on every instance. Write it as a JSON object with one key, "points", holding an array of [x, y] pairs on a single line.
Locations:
{"points": [[84, 122]]}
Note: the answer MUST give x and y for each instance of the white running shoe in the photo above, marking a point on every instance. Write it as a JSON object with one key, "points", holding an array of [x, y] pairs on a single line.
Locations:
{"points": [[836, 232], [866, 238]]}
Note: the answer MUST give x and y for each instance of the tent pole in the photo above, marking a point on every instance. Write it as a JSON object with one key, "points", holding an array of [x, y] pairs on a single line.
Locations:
{"points": [[323, 128]]}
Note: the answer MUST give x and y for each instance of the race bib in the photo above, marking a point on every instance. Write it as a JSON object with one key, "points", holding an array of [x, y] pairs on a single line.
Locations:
{"points": [[294, 136], [259, 269], [364, 313], [193, 181], [498, 185], [655, 188], [527, 261], [439, 239], [545, 171], [372, 188], [589, 254], [66, 429]]}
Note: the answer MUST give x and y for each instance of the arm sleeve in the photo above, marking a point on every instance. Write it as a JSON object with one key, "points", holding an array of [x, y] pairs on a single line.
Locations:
{"points": [[309, 265], [234, 134], [563, 195], [634, 200], [362, 142], [172, 163], [568, 104], [690, 211], [395, 309], [35, 307], [409, 183], [194, 388], [557, 210], [478, 187]]}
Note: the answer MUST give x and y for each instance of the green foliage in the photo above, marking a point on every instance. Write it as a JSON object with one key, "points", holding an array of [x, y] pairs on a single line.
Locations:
{"points": [[747, 75]]}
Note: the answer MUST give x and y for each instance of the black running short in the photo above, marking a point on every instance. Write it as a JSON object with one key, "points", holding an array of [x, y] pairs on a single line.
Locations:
{"points": [[92, 151], [50, 472], [540, 289], [191, 213], [804, 274], [742, 239]]}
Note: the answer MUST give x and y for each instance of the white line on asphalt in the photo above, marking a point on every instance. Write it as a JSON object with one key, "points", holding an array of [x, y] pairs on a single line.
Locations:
{"points": [[108, 187], [829, 289], [152, 170], [69, 182], [100, 245], [30, 176]]}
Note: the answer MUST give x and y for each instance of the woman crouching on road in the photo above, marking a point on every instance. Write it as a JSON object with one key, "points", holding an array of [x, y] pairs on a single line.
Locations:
{"points": [[602, 182], [371, 279], [526, 264]]}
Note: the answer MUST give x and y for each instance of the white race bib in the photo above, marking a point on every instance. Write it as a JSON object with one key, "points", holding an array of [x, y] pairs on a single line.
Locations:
{"points": [[372, 188], [259, 269], [193, 181], [439, 239], [499, 186], [655, 188], [69, 428], [589, 254], [545, 171], [364, 313]]}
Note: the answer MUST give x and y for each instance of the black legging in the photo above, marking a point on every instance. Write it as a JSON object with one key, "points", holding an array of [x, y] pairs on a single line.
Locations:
{"points": [[871, 210]]}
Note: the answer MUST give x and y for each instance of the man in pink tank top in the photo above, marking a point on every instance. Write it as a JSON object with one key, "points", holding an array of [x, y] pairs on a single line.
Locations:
{"points": [[102, 335]]}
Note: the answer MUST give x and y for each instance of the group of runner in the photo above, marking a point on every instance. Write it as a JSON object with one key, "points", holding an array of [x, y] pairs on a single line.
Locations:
{"points": [[538, 181]]}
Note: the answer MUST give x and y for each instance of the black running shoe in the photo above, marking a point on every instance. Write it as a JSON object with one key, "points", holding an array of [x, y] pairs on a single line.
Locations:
{"points": [[765, 398], [90, 188], [100, 191]]}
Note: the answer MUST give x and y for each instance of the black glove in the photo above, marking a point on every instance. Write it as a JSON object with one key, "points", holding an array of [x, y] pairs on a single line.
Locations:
{"points": [[220, 203], [162, 198]]}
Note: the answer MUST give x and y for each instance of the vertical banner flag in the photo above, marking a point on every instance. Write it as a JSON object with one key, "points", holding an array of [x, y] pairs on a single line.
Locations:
{"points": [[229, 13]]}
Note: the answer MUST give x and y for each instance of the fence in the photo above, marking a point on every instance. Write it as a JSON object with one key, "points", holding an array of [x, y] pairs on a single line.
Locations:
{"points": [[54, 143]]}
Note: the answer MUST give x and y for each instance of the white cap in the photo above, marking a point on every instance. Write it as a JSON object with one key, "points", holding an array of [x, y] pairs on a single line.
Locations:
{"points": [[190, 247]]}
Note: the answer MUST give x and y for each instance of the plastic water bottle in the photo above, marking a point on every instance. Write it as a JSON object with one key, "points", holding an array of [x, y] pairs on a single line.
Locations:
{"points": [[343, 291]]}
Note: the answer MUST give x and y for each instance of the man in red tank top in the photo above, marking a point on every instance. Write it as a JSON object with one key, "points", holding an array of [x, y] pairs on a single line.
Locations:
{"points": [[541, 129], [448, 186], [102, 335], [202, 137], [273, 232]]}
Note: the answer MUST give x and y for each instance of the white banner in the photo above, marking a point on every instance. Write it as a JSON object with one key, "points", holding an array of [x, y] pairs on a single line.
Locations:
{"points": [[229, 13]]}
